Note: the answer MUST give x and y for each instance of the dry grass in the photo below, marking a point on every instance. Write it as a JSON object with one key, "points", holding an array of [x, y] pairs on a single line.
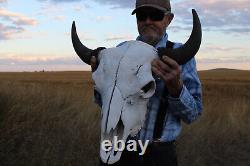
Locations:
{"points": [[221, 136], [50, 119], [46, 118]]}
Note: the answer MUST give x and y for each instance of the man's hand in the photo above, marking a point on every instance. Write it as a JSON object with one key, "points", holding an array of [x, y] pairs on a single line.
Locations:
{"points": [[93, 60], [93, 63], [169, 71]]}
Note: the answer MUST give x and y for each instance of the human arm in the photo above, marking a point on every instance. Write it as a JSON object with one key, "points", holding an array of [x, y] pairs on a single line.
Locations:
{"points": [[186, 103], [188, 106]]}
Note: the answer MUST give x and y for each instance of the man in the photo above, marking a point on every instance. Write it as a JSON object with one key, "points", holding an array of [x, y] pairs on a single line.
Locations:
{"points": [[178, 90]]}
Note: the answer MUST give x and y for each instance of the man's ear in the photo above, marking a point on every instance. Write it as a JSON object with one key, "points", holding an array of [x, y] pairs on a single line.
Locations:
{"points": [[171, 15], [168, 18]]}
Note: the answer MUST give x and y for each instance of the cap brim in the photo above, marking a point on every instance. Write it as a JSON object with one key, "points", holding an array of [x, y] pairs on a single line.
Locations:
{"points": [[148, 5]]}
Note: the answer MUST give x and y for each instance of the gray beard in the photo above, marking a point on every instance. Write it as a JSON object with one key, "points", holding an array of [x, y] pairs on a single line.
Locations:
{"points": [[150, 40]]}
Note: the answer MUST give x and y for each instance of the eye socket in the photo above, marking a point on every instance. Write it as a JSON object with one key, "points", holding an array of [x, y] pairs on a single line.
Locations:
{"points": [[147, 87]]}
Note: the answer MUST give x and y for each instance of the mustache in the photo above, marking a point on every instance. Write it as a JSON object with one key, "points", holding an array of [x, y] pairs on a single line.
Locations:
{"points": [[149, 26]]}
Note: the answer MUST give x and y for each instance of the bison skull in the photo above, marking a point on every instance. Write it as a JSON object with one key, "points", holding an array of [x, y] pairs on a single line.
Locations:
{"points": [[124, 80], [125, 84]]}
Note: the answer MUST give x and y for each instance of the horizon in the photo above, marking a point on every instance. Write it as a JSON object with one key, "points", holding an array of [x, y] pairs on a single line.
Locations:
{"points": [[58, 71], [35, 35]]}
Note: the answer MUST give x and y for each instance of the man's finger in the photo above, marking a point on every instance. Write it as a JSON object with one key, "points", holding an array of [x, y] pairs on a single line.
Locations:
{"points": [[172, 63], [157, 72], [93, 63], [161, 65]]}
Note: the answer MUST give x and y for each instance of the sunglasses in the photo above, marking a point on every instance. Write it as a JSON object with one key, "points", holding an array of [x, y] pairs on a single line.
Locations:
{"points": [[153, 15]]}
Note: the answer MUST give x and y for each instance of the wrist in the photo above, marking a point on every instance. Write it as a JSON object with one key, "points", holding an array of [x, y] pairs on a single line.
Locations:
{"points": [[175, 92]]}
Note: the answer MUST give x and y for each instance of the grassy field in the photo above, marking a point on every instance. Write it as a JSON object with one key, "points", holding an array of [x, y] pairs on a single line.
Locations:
{"points": [[49, 118]]}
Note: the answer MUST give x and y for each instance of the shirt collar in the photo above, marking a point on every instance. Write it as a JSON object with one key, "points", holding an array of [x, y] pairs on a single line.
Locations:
{"points": [[161, 43]]}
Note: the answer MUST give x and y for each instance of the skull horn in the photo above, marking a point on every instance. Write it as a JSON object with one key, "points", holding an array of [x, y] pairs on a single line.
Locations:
{"points": [[186, 52], [82, 51]]}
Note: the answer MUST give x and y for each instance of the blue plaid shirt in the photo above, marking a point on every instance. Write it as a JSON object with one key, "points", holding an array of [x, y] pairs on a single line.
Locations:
{"points": [[186, 108]]}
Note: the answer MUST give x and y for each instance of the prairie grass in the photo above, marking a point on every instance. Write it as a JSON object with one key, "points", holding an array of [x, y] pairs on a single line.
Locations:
{"points": [[221, 136], [50, 119]]}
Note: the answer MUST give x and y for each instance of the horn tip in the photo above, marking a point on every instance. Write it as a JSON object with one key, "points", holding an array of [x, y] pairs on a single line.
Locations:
{"points": [[194, 11], [73, 26]]}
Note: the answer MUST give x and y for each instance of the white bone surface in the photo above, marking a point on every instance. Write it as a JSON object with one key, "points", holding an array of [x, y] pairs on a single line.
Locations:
{"points": [[119, 78]]}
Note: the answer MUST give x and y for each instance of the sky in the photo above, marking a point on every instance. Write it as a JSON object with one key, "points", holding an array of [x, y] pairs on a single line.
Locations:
{"points": [[35, 34]]}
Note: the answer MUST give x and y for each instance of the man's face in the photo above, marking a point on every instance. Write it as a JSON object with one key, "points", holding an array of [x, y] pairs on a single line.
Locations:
{"points": [[152, 24]]}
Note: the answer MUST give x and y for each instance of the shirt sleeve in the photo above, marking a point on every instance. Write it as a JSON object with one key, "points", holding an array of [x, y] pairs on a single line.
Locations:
{"points": [[188, 106]]}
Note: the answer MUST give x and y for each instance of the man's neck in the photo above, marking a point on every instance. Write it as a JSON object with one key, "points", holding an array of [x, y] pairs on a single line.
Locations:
{"points": [[154, 43]]}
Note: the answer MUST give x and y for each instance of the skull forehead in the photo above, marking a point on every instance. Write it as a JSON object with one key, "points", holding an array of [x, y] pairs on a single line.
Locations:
{"points": [[122, 64], [131, 52]]}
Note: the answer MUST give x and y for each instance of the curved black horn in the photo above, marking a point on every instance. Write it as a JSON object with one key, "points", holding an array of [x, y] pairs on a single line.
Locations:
{"points": [[186, 52], [82, 51]]}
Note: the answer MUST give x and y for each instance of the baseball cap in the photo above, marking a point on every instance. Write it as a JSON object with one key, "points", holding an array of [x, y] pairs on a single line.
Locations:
{"points": [[163, 5]]}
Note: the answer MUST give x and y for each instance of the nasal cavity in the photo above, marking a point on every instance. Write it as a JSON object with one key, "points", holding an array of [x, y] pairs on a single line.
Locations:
{"points": [[147, 87]]}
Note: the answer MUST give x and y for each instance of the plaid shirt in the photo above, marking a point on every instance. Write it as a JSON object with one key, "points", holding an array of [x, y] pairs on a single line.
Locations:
{"points": [[186, 108]]}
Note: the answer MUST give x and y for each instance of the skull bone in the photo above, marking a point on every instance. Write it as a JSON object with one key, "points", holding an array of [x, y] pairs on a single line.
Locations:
{"points": [[125, 82]]}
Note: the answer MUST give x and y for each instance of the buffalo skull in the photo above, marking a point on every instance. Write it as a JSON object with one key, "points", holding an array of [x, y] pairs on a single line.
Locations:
{"points": [[125, 82]]}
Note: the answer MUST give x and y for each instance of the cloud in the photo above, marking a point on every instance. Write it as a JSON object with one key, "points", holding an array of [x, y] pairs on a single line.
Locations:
{"points": [[119, 37], [118, 4], [113, 3], [227, 16], [38, 60], [222, 48], [12, 62], [14, 24], [16, 18], [77, 8], [60, 18], [3, 1], [7, 32], [177, 28], [236, 59], [236, 30], [103, 18], [84, 36], [49, 10], [59, 1]]}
